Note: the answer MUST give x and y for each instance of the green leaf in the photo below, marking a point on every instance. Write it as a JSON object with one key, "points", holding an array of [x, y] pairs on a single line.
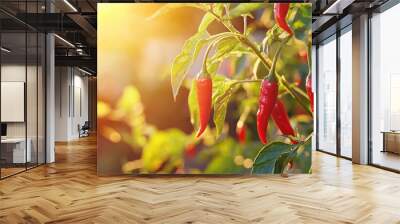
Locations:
{"points": [[171, 6], [245, 8], [298, 94], [267, 157], [223, 48], [302, 159], [301, 21], [302, 98], [208, 18], [193, 105], [185, 58], [259, 69], [281, 163], [222, 92]]}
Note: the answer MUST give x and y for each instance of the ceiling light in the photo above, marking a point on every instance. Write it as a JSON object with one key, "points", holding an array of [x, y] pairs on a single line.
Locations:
{"points": [[5, 50], [65, 41], [84, 71], [70, 5], [337, 7]]}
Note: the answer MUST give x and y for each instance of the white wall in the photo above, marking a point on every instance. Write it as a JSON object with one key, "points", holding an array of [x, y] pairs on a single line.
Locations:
{"points": [[13, 73], [71, 102]]}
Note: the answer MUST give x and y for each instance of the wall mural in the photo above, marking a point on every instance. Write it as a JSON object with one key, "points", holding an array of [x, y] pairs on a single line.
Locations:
{"points": [[204, 88]]}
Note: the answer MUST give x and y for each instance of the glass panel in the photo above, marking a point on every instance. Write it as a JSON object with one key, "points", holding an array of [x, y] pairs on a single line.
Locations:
{"points": [[32, 90], [23, 90], [385, 84], [13, 86], [346, 94], [327, 96], [31, 98], [41, 99]]}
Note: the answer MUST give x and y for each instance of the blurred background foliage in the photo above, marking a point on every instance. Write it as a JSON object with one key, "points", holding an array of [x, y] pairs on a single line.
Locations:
{"points": [[143, 131]]}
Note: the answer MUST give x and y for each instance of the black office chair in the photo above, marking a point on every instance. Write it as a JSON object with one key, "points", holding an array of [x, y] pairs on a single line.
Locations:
{"points": [[84, 130]]}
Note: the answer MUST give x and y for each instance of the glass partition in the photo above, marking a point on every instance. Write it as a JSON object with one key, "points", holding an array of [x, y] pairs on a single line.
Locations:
{"points": [[346, 93], [23, 91], [385, 89], [14, 153], [41, 107], [326, 111], [31, 99]]}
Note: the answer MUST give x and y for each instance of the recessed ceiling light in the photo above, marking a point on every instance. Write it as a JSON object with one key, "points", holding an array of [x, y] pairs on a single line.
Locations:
{"points": [[64, 40], [337, 7], [5, 50], [84, 71], [70, 5]]}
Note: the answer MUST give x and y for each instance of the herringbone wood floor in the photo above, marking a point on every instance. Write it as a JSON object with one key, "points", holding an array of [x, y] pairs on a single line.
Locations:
{"points": [[70, 192]]}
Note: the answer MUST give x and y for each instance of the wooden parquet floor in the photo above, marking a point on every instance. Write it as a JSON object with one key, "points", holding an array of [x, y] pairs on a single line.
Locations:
{"points": [[70, 192]]}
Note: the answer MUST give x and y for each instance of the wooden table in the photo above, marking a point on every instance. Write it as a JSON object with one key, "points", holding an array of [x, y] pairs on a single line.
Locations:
{"points": [[391, 141]]}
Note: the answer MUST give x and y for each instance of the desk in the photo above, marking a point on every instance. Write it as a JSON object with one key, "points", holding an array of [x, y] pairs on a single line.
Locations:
{"points": [[391, 141], [13, 150]]}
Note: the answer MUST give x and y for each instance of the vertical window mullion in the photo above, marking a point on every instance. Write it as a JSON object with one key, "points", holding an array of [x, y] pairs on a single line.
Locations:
{"points": [[316, 97], [338, 74], [26, 87]]}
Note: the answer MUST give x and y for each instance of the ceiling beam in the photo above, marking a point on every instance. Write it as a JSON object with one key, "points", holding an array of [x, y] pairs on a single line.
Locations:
{"points": [[78, 61]]}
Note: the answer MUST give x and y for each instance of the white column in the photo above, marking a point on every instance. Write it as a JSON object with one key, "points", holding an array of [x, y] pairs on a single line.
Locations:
{"points": [[360, 90], [50, 98]]}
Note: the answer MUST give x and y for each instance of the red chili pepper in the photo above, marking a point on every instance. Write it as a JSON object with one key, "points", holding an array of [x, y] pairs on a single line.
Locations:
{"points": [[267, 100], [190, 150], [241, 132], [204, 96], [310, 92], [280, 12], [281, 118]]}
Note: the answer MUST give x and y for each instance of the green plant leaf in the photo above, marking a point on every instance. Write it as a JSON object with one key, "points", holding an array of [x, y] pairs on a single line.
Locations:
{"points": [[302, 159], [245, 8], [281, 163], [193, 105], [223, 48], [297, 94], [222, 92], [171, 6], [185, 58], [208, 18], [268, 156], [301, 21], [259, 69]]}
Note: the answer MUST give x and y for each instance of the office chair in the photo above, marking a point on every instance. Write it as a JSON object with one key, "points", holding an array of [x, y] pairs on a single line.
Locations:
{"points": [[84, 130]]}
